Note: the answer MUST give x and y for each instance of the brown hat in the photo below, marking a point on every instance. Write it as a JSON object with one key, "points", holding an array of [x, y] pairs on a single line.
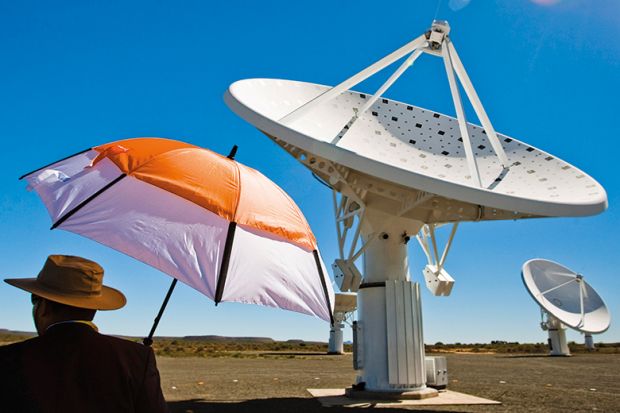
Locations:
{"points": [[73, 281]]}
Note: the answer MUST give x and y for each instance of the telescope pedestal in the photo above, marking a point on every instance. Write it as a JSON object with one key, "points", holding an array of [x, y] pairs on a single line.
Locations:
{"points": [[557, 337], [389, 347], [336, 342]]}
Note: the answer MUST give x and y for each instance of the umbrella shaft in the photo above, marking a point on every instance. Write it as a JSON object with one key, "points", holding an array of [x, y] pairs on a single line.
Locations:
{"points": [[149, 340]]}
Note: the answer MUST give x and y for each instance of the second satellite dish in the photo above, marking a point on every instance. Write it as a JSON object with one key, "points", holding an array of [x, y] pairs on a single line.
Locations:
{"points": [[567, 300]]}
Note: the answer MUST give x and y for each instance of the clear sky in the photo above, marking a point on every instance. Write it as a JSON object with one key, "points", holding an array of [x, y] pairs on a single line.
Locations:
{"points": [[80, 73]]}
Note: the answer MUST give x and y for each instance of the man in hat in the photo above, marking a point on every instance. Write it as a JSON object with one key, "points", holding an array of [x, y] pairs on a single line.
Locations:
{"points": [[70, 367]]}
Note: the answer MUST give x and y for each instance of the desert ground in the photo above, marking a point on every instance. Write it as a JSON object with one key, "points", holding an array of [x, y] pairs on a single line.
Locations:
{"points": [[277, 382], [243, 374]]}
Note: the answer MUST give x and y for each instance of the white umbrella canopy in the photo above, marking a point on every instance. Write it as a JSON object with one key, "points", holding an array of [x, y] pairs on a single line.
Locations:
{"points": [[206, 220]]}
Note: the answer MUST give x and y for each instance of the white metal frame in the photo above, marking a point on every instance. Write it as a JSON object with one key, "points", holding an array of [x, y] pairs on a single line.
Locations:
{"points": [[427, 239], [435, 42], [346, 210]]}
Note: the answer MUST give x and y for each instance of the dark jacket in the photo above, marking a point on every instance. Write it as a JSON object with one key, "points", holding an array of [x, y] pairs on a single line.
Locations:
{"points": [[72, 368]]}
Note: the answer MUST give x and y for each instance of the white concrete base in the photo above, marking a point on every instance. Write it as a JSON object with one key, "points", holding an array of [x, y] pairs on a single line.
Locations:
{"points": [[425, 393], [336, 397]]}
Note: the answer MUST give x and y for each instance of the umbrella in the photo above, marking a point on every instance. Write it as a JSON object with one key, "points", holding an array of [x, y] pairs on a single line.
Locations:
{"points": [[216, 225]]}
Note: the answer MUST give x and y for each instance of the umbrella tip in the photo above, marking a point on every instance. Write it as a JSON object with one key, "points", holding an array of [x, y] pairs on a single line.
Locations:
{"points": [[233, 152]]}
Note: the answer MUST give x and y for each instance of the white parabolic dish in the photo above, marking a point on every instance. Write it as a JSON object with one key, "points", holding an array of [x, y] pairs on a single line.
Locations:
{"points": [[417, 149], [565, 295]]}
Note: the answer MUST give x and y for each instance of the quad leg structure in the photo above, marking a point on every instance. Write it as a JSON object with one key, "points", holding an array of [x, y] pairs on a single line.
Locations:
{"points": [[435, 41]]}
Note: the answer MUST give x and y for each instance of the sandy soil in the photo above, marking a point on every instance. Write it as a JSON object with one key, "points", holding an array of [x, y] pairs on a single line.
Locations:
{"points": [[276, 384]]}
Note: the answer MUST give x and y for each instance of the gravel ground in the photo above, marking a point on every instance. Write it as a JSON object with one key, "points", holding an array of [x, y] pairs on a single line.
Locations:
{"points": [[278, 383]]}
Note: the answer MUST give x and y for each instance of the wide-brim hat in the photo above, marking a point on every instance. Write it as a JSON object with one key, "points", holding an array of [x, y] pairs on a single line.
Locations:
{"points": [[73, 281]]}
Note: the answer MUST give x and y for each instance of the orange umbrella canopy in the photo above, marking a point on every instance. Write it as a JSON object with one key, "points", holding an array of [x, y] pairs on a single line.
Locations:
{"points": [[206, 220], [214, 182]]}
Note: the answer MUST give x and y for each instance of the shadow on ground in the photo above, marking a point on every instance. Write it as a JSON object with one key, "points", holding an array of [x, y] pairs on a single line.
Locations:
{"points": [[276, 405]]}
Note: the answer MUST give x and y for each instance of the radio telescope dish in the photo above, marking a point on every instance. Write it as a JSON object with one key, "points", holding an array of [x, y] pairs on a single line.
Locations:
{"points": [[399, 149], [566, 295], [395, 149], [567, 300], [395, 168]]}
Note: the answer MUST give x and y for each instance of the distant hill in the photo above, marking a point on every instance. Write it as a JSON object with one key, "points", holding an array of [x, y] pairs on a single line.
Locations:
{"points": [[10, 336], [220, 339], [19, 333]]}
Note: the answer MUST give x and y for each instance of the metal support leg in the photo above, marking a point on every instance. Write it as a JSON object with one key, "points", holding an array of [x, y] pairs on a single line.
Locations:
{"points": [[475, 101], [388, 83], [460, 114], [354, 80]]}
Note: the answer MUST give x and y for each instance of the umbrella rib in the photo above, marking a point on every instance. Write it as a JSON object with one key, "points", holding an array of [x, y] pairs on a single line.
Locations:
{"points": [[315, 253], [53, 163], [86, 201], [221, 279]]}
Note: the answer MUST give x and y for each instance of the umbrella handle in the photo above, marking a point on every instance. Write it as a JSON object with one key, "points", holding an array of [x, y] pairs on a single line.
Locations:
{"points": [[147, 341]]}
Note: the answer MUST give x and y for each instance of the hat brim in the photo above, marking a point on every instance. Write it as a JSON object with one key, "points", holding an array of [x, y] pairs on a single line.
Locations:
{"points": [[109, 299]]}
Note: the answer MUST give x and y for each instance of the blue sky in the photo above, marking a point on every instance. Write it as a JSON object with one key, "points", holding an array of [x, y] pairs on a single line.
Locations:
{"points": [[80, 73]]}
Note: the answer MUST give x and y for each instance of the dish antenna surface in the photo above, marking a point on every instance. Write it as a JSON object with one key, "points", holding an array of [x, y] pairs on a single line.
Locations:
{"points": [[396, 169], [567, 300]]}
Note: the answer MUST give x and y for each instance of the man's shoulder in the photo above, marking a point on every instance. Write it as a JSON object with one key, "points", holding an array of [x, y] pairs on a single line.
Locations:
{"points": [[11, 355], [9, 350], [124, 344], [120, 341]]}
